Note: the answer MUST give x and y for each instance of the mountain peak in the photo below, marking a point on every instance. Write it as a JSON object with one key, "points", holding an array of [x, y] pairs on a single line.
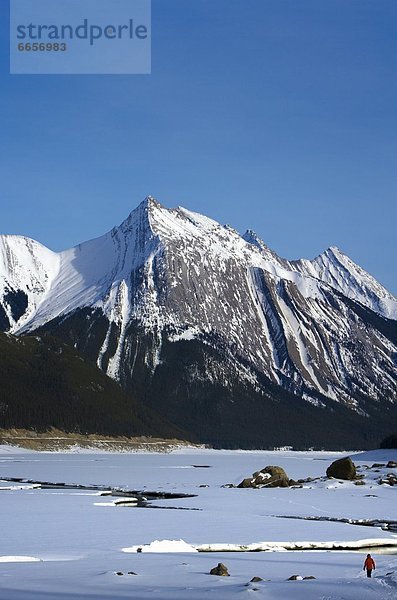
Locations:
{"points": [[151, 202], [140, 216], [148, 204], [340, 272], [334, 251]]}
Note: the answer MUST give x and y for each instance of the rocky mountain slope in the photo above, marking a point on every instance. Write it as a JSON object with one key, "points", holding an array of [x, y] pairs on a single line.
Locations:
{"points": [[216, 331]]}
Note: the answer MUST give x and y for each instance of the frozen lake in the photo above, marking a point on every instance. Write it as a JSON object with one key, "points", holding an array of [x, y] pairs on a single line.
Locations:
{"points": [[70, 543]]}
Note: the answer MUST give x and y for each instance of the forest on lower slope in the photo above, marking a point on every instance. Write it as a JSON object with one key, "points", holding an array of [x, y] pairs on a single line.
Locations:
{"points": [[45, 383]]}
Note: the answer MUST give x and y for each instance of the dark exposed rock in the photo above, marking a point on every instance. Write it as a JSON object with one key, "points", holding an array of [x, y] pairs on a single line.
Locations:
{"points": [[131, 573], [344, 468], [220, 570], [359, 482], [270, 476], [392, 464], [377, 465], [246, 483], [309, 577], [278, 477], [256, 579], [390, 479], [119, 573], [294, 578]]}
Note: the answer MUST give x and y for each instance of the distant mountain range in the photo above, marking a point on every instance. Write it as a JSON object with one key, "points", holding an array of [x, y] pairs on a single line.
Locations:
{"points": [[216, 332]]}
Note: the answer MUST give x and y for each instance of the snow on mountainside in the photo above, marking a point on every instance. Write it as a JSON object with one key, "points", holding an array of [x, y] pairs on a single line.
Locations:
{"points": [[91, 273], [96, 273], [130, 299], [27, 270], [341, 273]]}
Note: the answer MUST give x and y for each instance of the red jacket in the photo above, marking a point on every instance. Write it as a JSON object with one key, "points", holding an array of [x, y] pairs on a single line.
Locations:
{"points": [[369, 563]]}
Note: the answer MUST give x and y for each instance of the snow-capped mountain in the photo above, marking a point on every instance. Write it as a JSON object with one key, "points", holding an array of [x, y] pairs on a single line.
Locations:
{"points": [[177, 306]]}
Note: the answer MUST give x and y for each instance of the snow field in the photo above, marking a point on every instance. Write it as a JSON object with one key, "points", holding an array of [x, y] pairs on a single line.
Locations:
{"points": [[80, 545]]}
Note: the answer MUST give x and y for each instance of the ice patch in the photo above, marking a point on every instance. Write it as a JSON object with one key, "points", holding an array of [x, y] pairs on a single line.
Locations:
{"points": [[162, 546], [12, 488], [14, 559]]}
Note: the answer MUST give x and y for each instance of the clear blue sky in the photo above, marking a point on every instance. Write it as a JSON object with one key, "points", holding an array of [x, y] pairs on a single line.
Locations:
{"points": [[275, 115]]}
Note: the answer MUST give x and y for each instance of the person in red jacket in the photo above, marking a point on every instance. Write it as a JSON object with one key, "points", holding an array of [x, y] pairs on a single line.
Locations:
{"points": [[369, 565]]}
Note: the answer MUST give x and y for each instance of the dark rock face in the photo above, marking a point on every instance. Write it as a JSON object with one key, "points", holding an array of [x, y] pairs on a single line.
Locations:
{"points": [[256, 579], [17, 302], [294, 578], [344, 468], [4, 320], [392, 464], [270, 476], [220, 570]]}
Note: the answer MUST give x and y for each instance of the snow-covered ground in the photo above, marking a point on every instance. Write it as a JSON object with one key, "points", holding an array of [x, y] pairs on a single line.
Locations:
{"points": [[70, 544]]}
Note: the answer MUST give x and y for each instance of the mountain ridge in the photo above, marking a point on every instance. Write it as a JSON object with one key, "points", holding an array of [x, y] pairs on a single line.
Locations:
{"points": [[259, 324]]}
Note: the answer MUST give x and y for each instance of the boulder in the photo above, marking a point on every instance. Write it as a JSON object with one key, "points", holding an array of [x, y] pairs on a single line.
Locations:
{"points": [[295, 578], [309, 577], [392, 464], [270, 476], [246, 483], [220, 570], [344, 468], [256, 579], [390, 479]]}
